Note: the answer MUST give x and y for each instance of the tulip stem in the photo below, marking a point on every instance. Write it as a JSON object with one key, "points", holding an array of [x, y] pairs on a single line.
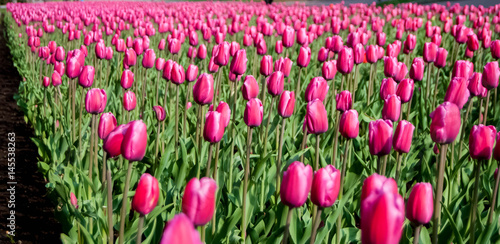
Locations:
{"points": [[439, 195], [428, 88], [417, 234], [184, 124], [144, 90], [216, 182], [336, 140], [139, 229], [278, 166], [494, 200], [370, 85], [384, 165], [157, 142], [297, 88], [91, 150], [317, 221], [472, 233], [303, 145], [485, 116], [399, 158], [157, 87], [104, 159], [82, 101], [245, 184], [125, 203], [177, 123], [267, 126], [209, 162], [73, 102], [233, 133], [434, 100], [287, 226], [341, 191], [109, 184]]}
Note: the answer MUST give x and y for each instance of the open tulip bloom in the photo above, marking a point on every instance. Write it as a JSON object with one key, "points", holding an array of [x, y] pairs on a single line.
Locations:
{"points": [[276, 141]]}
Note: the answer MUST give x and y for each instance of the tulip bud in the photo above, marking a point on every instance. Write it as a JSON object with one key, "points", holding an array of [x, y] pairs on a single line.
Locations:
{"points": [[174, 46], [441, 58], [129, 100], [148, 61], [349, 124], [202, 52], [212, 67], [392, 108], [135, 141], [160, 64], [481, 141], [203, 89], [288, 36], [177, 74], [250, 88], [371, 54], [323, 54], [463, 68], [95, 101], [476, 87], [387, 87], [214, 129], [343, 101], [316, 116], [112, 143], [472, 42], [329, 69], [56, 79], [390, 66], [73, 200], [420, 205], [130, 58], [222, 55], [180, 229], [198, 201], [495, 49], [109, 53], [458, 92], [253, 113], [317, 89], [276, 83], [160, 113], [86, 77], [266, 65], [410, 43], [403, 136], [146, 195], [417, 69], [491, 72], [401, 72], [138, 46], [359, 53], [225, 113], [445, 124], [278, 48], [345, 61], [73, 67], [405, 90], [286, 104], [161, 45], [239, 63], [304, 57], [337, 44], [380, 137], [107, 123], [296, 184], [127, 79], [430, 52], [325, 186]]}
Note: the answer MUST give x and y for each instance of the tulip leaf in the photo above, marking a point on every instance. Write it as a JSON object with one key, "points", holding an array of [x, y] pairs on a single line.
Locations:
{"points": [[454, 226]]}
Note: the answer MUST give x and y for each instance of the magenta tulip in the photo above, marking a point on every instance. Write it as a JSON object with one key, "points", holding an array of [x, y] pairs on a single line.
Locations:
{"points": [[253, 113], [135, 141], [403, 136], [95, 101], [445, 124], [349, 124], [420, 205], [129, 101], [316, 117], [146, 194], [481, 141], [180, 229], [160, 113], [203, 89], [380, 137], [325, 186], [286, 104], [296, 184], [107, 123], [250, 88], [458, 92], [343, 101], [198, 201]]}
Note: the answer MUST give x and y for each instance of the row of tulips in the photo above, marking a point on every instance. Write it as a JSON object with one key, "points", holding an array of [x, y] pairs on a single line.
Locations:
{"points": [[162, 104]]}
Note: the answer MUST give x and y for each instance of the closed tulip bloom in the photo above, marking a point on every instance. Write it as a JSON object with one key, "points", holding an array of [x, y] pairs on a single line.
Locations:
{"points": [[436, 38], [107, 123], [112, 143], [343, 101], [317, 89], [345, 60], [73, 68], [202, 52], [180, 229], [253, 113], [287, 67], [203, 89], [387, 87], [491, 72], [222, 56], [420, 205], [288, 37], [463, 68], [392, 50], [95, 101], [481, 141], [405, 90], [193, 38], [445, 124], [234, 47], [130, 58], [178, 74], [278, 48], [225, 113], [73, 200], [401, 72], [198, 201], [430, 52], [86, 77], [441, 56], [417, 69], [160, 64], [174, 46], [476, 87], [148, 61], [382, 218], [60, 68], [250, 88], [390, 66], [458, 92], [472, 42], [495, 49], [371, 54], [56, 79], [286, 104], [410, 43], [162, 44], [296, 184], [359, 53], [392, 108], [316, 116], [129, 100], [109, 53], [349, 124], [160, 113], [239, 63], [135, 141], [214, 128], [325, 186], [329, 69], [378, 183], [323, 54], [266, 65], [403, 136], [146, 194], [212, 67], [469, 53], [337, 44], [380, 137], [138, 46], [127, 79], [302, 36], [191, 73], [276, 83], [381, 37], [60, 54], [304, 57], [100, 50]]}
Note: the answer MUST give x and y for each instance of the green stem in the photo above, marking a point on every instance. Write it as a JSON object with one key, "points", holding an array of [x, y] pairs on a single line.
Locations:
{"points": [[82, 101], [439, 195], [157, 142], [303, 145], [472, 233], [398, 168], [494, 200], [109, 184], [485, 116], [233, 135], [287, 226], [125, 203], [209, 162], [245, 186], [104, 159], [217, 183], [417, 234], [177, 123], [139, 229], [434, 100], [428, 87], [336, 140], [297, 88], [278, 166], [317, 221]]}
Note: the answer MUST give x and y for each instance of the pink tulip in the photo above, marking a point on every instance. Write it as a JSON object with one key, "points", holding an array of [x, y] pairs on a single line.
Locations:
{"points": [[325, 186], [380, 137], [203, 89], [491, 73], [266, 65], [343, 101], [95, 101], [253, 113], [160, 113], [198, 201], [345, 61], [403, 136], [481, 141], [107, 123], [286, 104], [349, 124], [180, 229], [135, 140], [316, 117], [445, 124], [296, 184], [420, 205], [317, 89], [458, 92], [250, 88], [146, 194], [214, 128]]}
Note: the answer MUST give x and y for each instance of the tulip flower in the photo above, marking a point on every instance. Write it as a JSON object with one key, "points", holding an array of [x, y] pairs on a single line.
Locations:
{"points": [[329, 70], [430, 52], [130, 58], [203, 89], [129, 101], [214, 128], [392, 108], [275, 83], [445, 124], [198, 201], [495, 49], [180, 229], [239, 62], [127, 79], [463, 68], [160, 113], [174, 46], [112, 143], [417, 69], [491, 73], [56, 79], [441, 55], [266, 65], [317, 89], [191, 73], [148, 60], [349, 124], [405, 90], [73, 67], [401, 71], [304, 57], [481, 141], [73, 200], [345, 61], [86, 77], [297, 182], [95, 101], [476, 87], [316, 117], [325, 189], [458, 92], [278, 48], [202, 52], [390, 66], [343, 101], [288, 37], [371, 54], [177, 74], [472, 42], [253, 112], [380, 137], [146, 194], [286, 104], [135, 141], [419, 208]]}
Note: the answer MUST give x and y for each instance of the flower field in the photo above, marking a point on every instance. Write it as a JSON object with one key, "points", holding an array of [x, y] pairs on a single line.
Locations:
{"points": [[241, 122]]}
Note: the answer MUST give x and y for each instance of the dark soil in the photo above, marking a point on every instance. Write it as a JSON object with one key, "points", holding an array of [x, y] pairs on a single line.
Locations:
{"points": [[34, 213]]}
